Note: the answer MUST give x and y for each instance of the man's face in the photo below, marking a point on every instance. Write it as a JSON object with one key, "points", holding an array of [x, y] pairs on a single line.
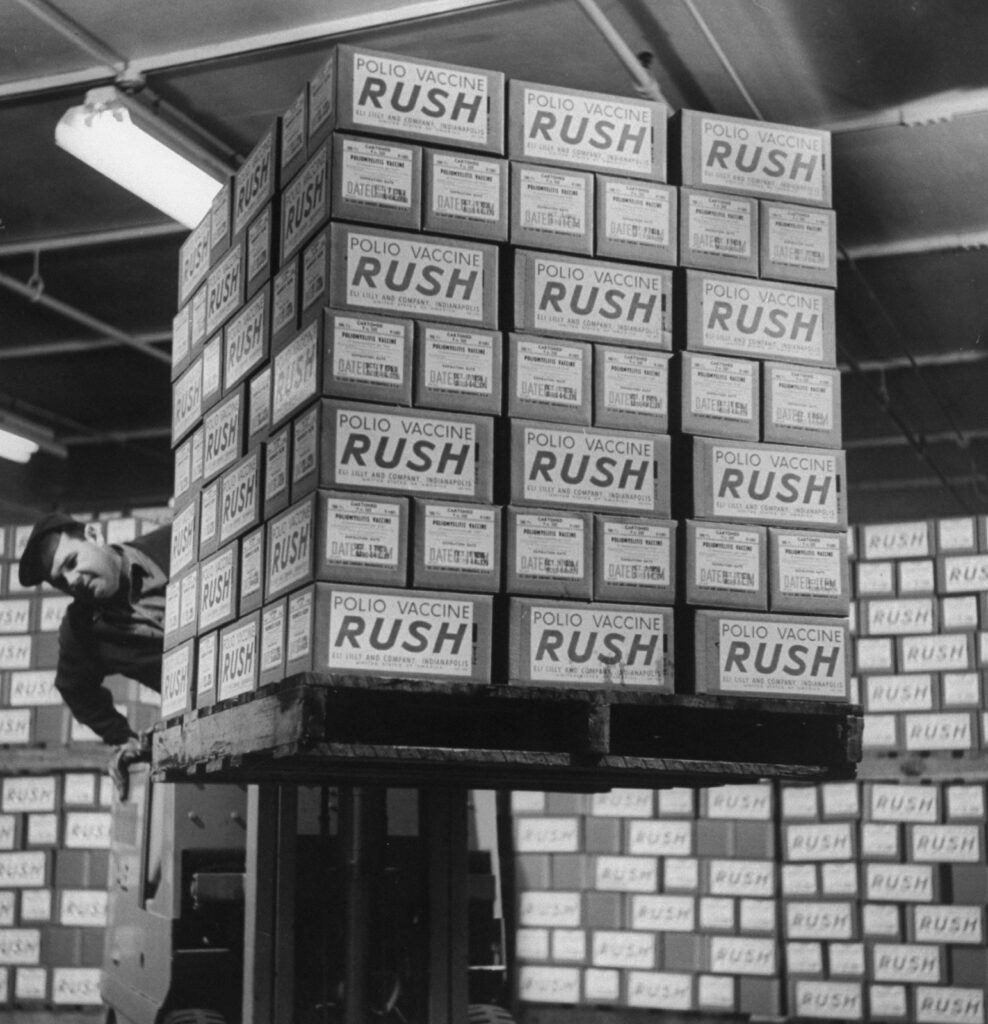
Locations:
{"points": [[85, 569]]}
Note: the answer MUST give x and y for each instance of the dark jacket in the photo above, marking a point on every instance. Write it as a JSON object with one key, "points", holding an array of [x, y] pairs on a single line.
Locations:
{"points": [[88, 655]]}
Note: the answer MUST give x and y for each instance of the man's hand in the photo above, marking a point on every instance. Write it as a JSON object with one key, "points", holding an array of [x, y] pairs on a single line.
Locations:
{"points": [[137, 748]]}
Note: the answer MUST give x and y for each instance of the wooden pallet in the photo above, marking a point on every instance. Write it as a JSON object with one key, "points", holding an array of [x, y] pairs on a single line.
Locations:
{"points": [[318, 729]]}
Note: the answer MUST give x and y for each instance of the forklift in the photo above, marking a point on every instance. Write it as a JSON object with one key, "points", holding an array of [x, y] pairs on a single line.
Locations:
{"points": [[303, 904]]}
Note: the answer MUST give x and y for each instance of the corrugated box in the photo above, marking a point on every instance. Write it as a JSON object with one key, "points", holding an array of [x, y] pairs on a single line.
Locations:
{"points": [[376, 631], [718, 232], [256, 181], [631, 389], [719, 396], [576, 644], [239, 657], [426, 101], [367, 357], [778, 485], [294, 131], [549, 553], [797, 243], [636, 220], [745, 653], [759, 319], [749, 157], [809, 572], [552, 208], [305, 203], [458, 369], [801, 405], [247, 340], [456, 546], [726, 565], [595, 131], [594, 300], [260, 253], [599, 469], [465, 195], [377, 182], [290, 548], [634, 559], [549, 380], [273, 640], [427, 276]]}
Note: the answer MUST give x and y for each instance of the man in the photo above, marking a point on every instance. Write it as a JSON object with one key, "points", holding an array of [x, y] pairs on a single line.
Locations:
{"points": [[115, 624]]}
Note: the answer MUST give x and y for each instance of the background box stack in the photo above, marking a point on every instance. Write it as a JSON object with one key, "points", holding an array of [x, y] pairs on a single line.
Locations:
{"points": [[54, 843], [757, 400]]}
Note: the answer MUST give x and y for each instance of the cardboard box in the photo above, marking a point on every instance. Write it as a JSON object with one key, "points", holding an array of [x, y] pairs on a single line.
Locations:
{"points": [[247, 340], [16, 726], [900, 692], [377, 182], [576, 644], [224, 433], [797, 243], [240, 503], [593, 300], [290, 548], [277, 471], [594, 468], [193, 260], [256, 181], [379, 93], [184, 549], [634, 559], [828, 921], [759, 319], [719, 396], [552, 208], [361, 538], [636, 220], [212, 371], [458, 369], [259, 406], [16, 615], [274, 634], [251, 571], [594, 131], [239, 657], [549, 380], [898, 616], [833, 1000], [946, 923], [181, 339], [456, 546], [904, 802], [962, 574], [390, 633], [718, 232], [209, 518], [824, 841], [376, 448], [297, 371], [225, 288], [465, 195], [303, 474], [801, 405], [207, 669], [305, 202], [778, 485], [957, 535], [424, 276], [548, 553], [945, 844], [940, 730], [631, 389], [749, 157], [219, 588], [914, 539], [286, 299], [959, 689], [198, 322], [726, 565], [809, 572], [293, 130], [948, 652], [187, 401], [177, 674], [367, 357], [260, 251], [745, 653], [874, 579], [314, 263], [221, 221]]}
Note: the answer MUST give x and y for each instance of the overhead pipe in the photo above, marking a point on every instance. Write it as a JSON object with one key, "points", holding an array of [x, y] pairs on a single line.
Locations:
{"points": [[76, 34], [73, 346], [645, 82], [83, 240]]}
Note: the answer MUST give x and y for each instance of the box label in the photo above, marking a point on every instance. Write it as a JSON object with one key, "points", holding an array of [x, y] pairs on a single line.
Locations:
{"points": [[33, 688], [905, 803], [193, 261], [623, 949], [305, 452], [362, 532], [368, 351], [15, 615], [637, 212], [549, 374], [284, 300], [798, 237], [15, 726], [20, 946], [899, 883], [834, 1000], [944, 653], [896, 540], [722, 388], [238, 660], [85, 908], [662, 990], [664, 913], [87, 830], [637, 554], [906, 962], [552, 201], [657, 838], [23, 794], [217, 594], [206, 669], [378, 174], [950, 844], [831, 920], [246, 339], [727, 559], [176, 680], [783, 658], [273, 637], [299, 626], [636, 382], [719, 226], [802, 399], [295, 373], [276, 465], [400, 633], [254, 182], [750, 878], [290, 548], [458, 362], [949, 1005], [949, 924], [240, 498], [305, 202], [965, 574], [809, 565], [550, 910], [550, 547], [899, 692], [222, 432], [187, 400], [742, 955], [459, 539], [15, 652], [258, 247], [537, 984], [224, 288], [466, 187], [23, 869], [76, 986]]}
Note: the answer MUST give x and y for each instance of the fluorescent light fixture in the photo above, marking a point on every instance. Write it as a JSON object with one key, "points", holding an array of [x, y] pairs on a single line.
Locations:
{"points": [[20, 439], [119, 137]]}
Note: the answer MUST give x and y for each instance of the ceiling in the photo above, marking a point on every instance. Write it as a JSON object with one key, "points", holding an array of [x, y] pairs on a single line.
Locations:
{"points": [[88, 273]]}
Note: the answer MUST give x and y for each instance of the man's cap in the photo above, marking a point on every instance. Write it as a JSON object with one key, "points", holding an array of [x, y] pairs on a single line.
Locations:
{"points": [[35, 563]]}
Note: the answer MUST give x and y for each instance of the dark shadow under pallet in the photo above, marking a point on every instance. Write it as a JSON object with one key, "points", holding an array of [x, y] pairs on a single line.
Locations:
{"points": [[322, 729]]}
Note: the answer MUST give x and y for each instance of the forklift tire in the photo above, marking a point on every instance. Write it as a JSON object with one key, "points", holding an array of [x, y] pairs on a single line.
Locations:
{"points": [[485, 1013], [194, 1017]]}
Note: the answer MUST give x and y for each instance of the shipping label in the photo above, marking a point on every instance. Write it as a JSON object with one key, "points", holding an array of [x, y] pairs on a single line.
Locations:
{"points": [[798, 237], [550, 909], [410, 452], [719, 225], [290, 548], [42, 829], [224, 288], [601, 301], [254, 182], [273, 637], [361, 532], [84, 908], [666, 913], [803, 399], [389, 632], [830, 841], [305, 202], [184, 538], [750, 878], [218, 588], [947, 652], [766, 159], [742, 802], [742, 955], [33, 688], [305, 451], [183, 470], [246, 340], [209, 512], [378, 173], [949, 1005], [198, 319], [784, 658], [553, 202], [20, 946], [660, 990], [299, 626], [964, 574], [467, 188], [458, 361], [775, 483], [76, 986], [637, 554], [900, 883], [240, 499], [599, 645], [965, 801], [946, 843], [635, 382], [206, 669], [540, 984], [193, 261], [637, 212], [896, 540], [8, 831], [15, 615], [87, 830], [623, 949], [899, 692], [959, 613], [222, 435], [187, 401], [15, 726], [293, 129], [296, 378], [550, 374], [655, 838], [722, 388], [416, 275], [830, 920], [315, 271], [258, 249], [904, 803], [550, 547], [810, 565], [284, 298], [958, 533], [368, 351], [276, 479], [626, 874], [949, 924], [23, 794], [24, 869], [728, 558], [15, 651], [906, 962], [623, 803], [251, 565], [900, 616], [79, 788], [829, 1000], [238, 659]]}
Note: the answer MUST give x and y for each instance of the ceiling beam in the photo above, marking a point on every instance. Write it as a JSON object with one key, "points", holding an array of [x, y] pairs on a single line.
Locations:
{"points": [[115, 436], [84, 240], [916, 483], [76, 34], [931, 360], [900, 440], [72, 346]]}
